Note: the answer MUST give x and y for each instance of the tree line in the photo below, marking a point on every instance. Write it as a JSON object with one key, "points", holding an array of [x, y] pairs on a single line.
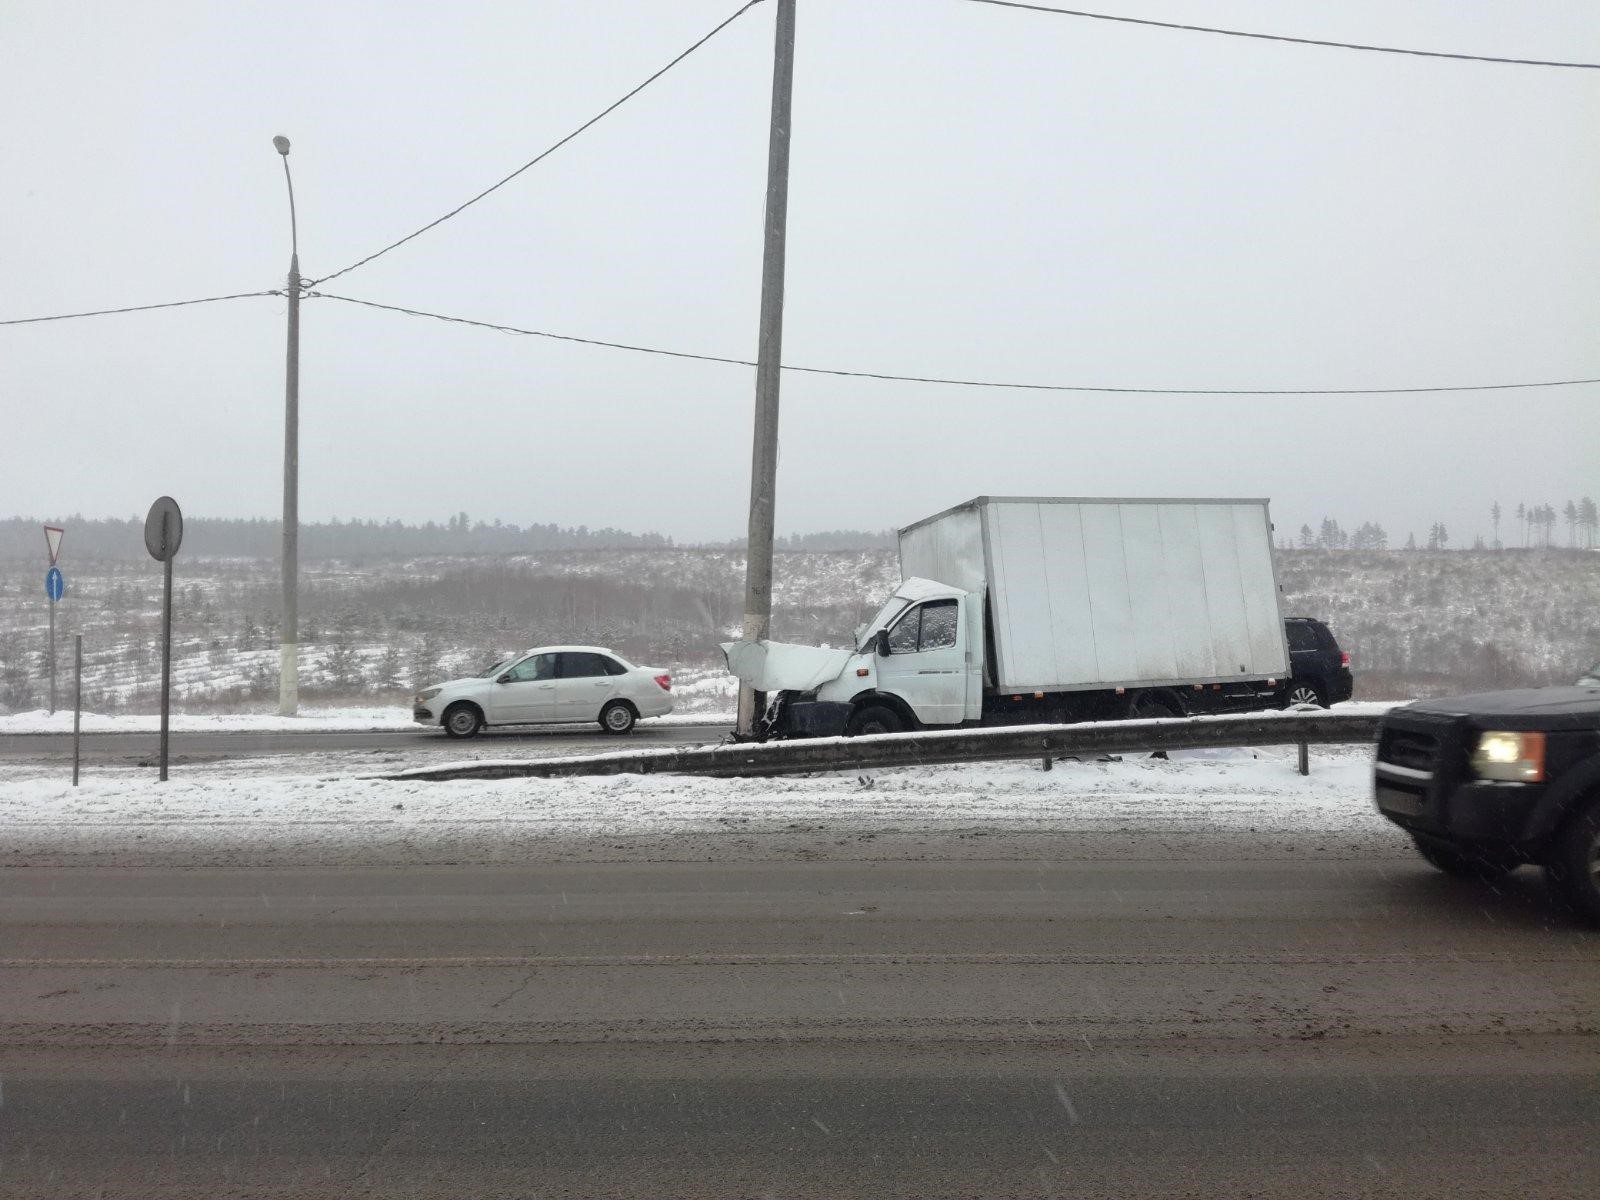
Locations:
{"points": [[1536, 524]]}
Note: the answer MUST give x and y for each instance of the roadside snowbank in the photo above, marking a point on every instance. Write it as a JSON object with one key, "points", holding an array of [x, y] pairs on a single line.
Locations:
{"points": [[324, 720], [1239, 791]]}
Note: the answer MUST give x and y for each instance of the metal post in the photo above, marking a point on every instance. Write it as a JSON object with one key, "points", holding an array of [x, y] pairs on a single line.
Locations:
{"points": [[288, 635], [769, 358], [166, 649], [1305, 759], [77, 701], [52, 602]]}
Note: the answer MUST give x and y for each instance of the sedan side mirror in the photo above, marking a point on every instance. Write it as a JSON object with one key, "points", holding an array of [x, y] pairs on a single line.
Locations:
{"points": [[881, 643], [506, 678]]}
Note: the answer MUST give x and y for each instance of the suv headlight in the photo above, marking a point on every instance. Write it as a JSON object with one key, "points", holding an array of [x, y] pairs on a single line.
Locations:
{"points": [[425, 695], [1509, 757]]}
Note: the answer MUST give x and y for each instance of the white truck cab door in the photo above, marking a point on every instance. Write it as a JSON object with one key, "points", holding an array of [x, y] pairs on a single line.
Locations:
{"points": [[927, 661]]}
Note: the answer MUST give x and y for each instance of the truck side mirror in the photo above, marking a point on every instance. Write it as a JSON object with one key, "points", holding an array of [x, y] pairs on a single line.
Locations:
{"points": [[881, 643]]}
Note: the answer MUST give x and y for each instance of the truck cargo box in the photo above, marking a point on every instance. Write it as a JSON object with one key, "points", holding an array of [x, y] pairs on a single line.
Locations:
{"points": [[1091, 593]]}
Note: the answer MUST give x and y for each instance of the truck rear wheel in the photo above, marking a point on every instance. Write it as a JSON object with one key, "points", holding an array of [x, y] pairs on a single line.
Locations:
{"points": [[1574, 869], [1463, 863], [874, 718]]}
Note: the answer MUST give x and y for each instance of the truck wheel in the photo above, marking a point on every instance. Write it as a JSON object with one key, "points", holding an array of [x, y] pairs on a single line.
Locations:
{"points": [[1574, 869], [1153, 705], [1482, 865], [874, 718], [462, 720]]}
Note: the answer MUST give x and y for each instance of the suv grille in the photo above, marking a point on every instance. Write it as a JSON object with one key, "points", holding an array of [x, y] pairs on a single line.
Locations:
{"points": [[1409, 748]]}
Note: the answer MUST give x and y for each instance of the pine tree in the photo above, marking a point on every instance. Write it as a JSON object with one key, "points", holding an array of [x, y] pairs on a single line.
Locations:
{"points": [[1522, 520], [1494, 516], [1571, 514], [1307, 538], [1411, 541]]}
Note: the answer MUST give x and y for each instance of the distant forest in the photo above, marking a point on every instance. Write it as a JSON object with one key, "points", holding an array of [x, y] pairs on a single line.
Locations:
{"points": [[210, 537]]}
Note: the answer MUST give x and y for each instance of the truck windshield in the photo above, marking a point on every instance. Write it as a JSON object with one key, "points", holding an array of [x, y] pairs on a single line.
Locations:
{"points": [[892, 608]]}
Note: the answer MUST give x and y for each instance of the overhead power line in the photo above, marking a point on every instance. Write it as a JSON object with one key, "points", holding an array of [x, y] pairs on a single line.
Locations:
{"points": [[1278, 37], [106, 312], [549, 150], [952, 382]]}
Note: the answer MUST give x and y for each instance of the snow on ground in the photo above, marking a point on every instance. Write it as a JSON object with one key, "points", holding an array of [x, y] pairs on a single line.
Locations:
{"points": [[220, 809], [311, 720]]}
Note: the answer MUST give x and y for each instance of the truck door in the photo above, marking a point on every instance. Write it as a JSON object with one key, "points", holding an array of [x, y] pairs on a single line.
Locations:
{"points": [[927, 662]]}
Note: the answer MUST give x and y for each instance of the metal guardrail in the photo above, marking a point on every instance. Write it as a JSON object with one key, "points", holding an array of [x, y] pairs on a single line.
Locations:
{"points": [[948, 746]]}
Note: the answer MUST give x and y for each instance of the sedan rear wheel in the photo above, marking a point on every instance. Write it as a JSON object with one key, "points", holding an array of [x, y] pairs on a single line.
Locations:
{"points": [[618, 717]]}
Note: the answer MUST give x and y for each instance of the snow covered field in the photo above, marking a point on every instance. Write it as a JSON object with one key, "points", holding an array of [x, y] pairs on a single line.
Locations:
{"points": [[1238, 800]]}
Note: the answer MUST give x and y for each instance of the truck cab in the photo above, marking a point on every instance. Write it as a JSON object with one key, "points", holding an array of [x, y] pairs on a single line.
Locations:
{"points": [[1486, 783], [918, 662]]}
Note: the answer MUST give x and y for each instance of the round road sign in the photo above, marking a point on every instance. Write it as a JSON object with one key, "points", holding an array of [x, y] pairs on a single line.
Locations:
{"points": [[54, 585], [163, 529]]}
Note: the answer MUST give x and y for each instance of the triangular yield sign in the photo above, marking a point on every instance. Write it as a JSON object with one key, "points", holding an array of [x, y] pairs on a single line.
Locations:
{"points": [[52, 535]]}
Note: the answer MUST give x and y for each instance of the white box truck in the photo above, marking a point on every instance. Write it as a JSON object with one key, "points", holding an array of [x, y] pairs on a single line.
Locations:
{"points": [[1018, 609]]}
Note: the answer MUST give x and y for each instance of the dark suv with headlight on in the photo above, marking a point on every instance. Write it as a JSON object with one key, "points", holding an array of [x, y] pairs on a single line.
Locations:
{"points": [[1486, 783]]}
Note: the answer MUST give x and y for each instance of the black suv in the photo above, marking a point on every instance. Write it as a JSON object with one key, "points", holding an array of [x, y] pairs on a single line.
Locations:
{"points": [[1319, 671], [1485, 783]]}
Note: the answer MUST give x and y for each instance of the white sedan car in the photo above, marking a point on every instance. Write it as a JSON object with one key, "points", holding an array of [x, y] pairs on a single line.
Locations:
{"points": [[548, 685]]}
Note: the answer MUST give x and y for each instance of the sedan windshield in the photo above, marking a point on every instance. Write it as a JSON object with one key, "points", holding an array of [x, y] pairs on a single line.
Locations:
{"points": [[498, 666]]}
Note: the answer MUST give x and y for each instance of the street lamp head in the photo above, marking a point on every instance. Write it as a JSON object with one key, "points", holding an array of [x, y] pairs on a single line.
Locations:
{"points": [[282, 143]]}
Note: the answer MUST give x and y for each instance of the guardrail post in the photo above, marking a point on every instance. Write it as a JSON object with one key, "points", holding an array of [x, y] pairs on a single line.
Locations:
{"points": [[1047, 763], [1305, 759]]}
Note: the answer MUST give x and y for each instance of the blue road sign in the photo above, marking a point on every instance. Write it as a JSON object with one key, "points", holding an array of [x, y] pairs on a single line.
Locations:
{"points": [[54, 585]]}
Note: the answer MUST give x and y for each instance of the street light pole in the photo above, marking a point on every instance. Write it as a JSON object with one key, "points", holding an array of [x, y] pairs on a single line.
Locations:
{"points": [[769, 359], [288, 633]]}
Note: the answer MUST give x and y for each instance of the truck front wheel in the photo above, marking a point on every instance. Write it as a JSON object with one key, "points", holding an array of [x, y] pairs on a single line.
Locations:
{"points": [[1574, 869], [1464, 863], [874, 718]]}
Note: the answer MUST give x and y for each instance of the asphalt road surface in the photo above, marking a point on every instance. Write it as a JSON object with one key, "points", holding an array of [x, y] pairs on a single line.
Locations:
{"points": [[229, 744], [1175, 1026]]}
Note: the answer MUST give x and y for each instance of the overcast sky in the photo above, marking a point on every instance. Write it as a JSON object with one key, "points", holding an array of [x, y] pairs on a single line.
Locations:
{"points": [[975, 192]]}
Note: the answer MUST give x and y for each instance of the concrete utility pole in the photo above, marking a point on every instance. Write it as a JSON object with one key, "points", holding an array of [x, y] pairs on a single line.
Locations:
{"points": [[769, 358], [288, 634]]}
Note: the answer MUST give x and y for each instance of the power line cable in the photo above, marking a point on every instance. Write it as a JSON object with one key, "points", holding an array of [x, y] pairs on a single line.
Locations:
{"points": [[1278, 37], [951, 382], [543, 154], [105, 312]]}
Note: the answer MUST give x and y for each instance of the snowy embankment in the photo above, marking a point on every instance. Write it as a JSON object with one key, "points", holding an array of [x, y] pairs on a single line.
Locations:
{"points": [[311, 720], [1226, 804]]}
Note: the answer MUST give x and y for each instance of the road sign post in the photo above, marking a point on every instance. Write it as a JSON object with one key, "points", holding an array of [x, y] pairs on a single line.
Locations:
{"points": [[163, 533], [77, 701], [54, 587]]}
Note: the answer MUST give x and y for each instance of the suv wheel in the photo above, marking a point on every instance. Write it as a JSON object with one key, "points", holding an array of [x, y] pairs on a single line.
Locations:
{"points": [[1304, 691], [462, 720], [1574, 868], [618, 717], [1464, 863]]}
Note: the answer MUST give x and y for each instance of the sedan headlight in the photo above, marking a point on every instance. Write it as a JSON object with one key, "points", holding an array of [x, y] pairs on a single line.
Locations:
{"points": [[1509, 757], [425, 695]]}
